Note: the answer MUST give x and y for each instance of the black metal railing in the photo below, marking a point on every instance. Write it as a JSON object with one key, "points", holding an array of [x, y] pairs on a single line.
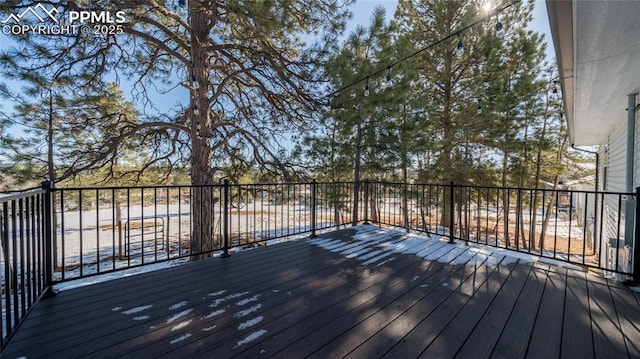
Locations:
{"points": [[587, 228], [25, 255], [54, 235], [101, 230]]}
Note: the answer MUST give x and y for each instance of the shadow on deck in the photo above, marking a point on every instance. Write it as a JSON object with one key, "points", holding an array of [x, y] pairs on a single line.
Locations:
{"points": [[363, 292]]}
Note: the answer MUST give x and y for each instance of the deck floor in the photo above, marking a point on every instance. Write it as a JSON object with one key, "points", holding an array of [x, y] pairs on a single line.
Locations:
{"points": [[363, 292]]}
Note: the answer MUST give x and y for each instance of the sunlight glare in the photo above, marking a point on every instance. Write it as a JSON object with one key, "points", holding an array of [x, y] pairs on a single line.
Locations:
{"points": [[487, 6]]}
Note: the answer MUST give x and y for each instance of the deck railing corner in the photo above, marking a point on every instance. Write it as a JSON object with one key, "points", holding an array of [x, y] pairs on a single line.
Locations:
{"points": [[47, 211]]}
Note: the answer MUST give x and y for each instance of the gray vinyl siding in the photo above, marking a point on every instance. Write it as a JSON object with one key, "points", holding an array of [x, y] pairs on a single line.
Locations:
{"points": [[614, 157]]}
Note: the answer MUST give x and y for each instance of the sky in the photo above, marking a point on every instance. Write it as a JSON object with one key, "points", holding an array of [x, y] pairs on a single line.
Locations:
{"points": [[362, 10]]}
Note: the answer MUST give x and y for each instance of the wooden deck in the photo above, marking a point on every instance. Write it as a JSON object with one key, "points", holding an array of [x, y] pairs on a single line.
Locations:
{"points": [[356, 293]]}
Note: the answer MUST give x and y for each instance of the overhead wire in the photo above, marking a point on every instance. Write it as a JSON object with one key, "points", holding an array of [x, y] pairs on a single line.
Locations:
{"points": [[455, 33]]}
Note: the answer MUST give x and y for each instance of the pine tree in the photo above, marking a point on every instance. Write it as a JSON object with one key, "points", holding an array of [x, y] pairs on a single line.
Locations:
{"points": [[65, 131], [249, 75]]}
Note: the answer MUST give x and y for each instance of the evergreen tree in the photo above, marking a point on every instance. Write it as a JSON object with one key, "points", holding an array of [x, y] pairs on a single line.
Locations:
{"points": [[66, 131], [358, 130], [249, 75]]}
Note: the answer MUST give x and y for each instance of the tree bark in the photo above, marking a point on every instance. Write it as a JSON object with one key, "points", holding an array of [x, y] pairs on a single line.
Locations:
{"points": [[523, 172], [356, 168], [404, 163], [447, 147], [536, 197], [373, 207], [505, 197], [552, 200], [202, 202]]}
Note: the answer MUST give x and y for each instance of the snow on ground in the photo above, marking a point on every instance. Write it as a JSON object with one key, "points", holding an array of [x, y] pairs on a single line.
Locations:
{"points": [[180, 338], [92, 235], [249, 338], [370, 248], [216, 303], [106, 247], [248, 300], [181, 321], [177, 316], [94, 279], [178, 305], [137, 309], [244, 313], [250, 323], [215, 294], [181, 325], [90, 242], [214, 313], [116, 275]]}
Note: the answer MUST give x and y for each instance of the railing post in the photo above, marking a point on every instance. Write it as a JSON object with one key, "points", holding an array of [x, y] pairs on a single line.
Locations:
{"points": [[636, 242], [225, 228], [48, 238], [356, 201], [452, 212], [405, 207], [314, 193], [366, 202]]}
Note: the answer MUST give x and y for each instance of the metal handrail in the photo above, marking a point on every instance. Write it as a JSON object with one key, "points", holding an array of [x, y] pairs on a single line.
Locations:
{"points": [[82, 241]]}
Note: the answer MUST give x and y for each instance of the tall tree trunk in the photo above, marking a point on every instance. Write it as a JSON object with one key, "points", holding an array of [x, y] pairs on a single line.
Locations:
{"points": [[202, 201], [505, 163], [335, 177], [448, 142], [536, 179], [373, 206], [404, 163], [552, 200], [356, 168], [505, 196], [520, 213], [52, 178], [405, 194], [118, 204], [523, 173]]}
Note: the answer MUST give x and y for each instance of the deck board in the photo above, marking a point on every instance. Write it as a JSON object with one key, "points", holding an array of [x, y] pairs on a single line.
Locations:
{"points": [[386, 337], [549, 319], [450, 340], [442, 323], [348, 334], [273, 296], [515, 335], [108, 323], [629, 316], [362, 292], [608, 340], [307, 317], [577, 338], [325, 323], [461, 288], [481, 341]]}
